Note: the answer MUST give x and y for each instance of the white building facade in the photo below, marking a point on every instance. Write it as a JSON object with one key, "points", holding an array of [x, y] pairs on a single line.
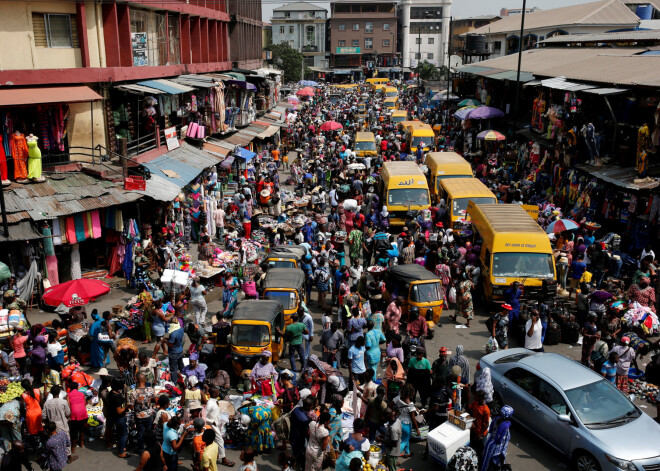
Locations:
{"points": [[303, 26], [424, 31]]}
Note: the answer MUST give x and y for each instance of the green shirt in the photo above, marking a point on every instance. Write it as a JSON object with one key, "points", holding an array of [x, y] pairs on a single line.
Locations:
{"points": [[422, 364], [294, 333]]}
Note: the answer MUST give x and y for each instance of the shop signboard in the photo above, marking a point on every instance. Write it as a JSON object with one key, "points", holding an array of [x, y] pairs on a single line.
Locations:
{"points": [[139, 46], [171, 138], [347, 50]]}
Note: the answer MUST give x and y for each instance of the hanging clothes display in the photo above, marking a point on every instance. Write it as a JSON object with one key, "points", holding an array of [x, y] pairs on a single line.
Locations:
{"points": [[34, 159], [4, 175], [19, 152], [76, 270], [51, 258]]}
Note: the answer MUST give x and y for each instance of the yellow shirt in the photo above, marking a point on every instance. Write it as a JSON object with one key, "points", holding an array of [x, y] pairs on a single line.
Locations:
{"points": [[210, 457]]}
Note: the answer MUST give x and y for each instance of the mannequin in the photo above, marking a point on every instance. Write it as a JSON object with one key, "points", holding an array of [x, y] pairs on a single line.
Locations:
{"points": [[19, 152], [34, 159], [643, 142]]}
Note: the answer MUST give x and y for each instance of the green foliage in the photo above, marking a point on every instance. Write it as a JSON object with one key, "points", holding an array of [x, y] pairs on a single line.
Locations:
{"points": [[428, 71], [288, 59]]}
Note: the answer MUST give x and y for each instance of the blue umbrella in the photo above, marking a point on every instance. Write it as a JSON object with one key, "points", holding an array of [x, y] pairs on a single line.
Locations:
{"points": [[308, 83]]}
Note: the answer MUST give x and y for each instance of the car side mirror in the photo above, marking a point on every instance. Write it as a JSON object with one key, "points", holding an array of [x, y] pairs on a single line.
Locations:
{"points": [[565, 418]]}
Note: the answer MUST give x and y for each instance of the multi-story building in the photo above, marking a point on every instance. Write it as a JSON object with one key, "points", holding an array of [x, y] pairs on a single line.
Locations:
{"points": [[424, 29], [517, 11], [363, 34], [302, 25], [245, 32]]}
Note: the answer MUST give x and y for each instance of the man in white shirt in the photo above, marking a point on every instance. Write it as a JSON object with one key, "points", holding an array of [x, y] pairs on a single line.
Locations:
{"points": [[355, 273], [215, 420], [219, 219], [533, 330], [333, 197]]}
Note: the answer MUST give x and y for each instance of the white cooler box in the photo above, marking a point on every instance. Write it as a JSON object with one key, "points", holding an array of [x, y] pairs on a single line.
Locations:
{"points": [[180, 281], [167, 278], [445, 440]]}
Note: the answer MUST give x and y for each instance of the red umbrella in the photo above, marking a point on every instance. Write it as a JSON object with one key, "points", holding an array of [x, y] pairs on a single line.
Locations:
{"points": [[307, 91], [75, 292], [331, 126]]}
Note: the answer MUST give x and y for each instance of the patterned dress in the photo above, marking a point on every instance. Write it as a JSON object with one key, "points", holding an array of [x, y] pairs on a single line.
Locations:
{"points": [[355, 241], [259, 436], [335, 428], [464, 298]]}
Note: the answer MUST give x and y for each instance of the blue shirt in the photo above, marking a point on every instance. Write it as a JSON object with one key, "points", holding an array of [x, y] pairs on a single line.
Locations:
{"points": [[309, 325], [578, 269], [355, 326], [356, 355], [344, 460], [176, 339], [169, 435]]}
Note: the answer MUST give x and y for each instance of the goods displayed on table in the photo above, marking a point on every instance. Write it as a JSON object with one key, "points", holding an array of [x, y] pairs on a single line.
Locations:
{"points": [[10, 390]]}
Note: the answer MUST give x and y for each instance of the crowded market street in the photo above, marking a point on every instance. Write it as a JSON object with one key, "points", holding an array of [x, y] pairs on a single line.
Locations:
{"points": [[376, 287]]}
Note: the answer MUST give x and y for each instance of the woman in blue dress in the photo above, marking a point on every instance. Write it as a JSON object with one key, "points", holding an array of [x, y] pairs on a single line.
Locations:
{"points": [[97, 353], [258, 435]]}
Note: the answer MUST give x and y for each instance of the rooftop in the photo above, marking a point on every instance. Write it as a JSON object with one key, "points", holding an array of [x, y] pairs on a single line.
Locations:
{"points": [[604, 12], [299, 6], [634, 35]]}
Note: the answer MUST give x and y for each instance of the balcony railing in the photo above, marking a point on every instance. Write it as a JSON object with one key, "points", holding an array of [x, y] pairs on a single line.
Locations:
{"points": [[310, 48]]}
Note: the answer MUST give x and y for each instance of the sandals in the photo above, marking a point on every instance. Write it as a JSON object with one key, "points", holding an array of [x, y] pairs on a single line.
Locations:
{"points": [[226, 462]]}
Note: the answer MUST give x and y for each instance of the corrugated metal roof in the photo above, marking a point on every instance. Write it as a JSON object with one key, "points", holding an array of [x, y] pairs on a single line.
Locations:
{"points": [[269, 132], [21, 231], [219, 151], [512, 75], [620, 66], [560, 83], [166, 86], [651, 53], [299, 6], [186, 161], [141, 89], [604, 12], [633, 35], [623, 177]]}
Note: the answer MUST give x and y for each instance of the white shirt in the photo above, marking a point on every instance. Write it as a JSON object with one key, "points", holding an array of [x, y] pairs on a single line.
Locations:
{"points": [[534, 342], [355, 274], [54, 349]]}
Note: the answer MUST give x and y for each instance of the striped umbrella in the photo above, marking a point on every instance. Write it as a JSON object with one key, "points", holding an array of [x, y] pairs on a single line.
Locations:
{"points": [[491, 135], [469, 102], [562, 225]]}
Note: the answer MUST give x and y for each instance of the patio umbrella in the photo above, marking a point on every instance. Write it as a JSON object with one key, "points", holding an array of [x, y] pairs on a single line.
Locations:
{"points": [[463, 112], [331, 126], [293, 100], [561, 225], [305, 92], [75, 292], [469, 102], [484, 112], [308, 83], [491, 135]]}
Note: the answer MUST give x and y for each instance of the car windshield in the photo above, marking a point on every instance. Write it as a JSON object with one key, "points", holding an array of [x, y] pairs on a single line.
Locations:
{"points": [[459, 205], [416, 141], [244, 335], [523, 265], [281, 264], [601, 404], [286, 298], [365, 145], [408, 197], [425, 292]]}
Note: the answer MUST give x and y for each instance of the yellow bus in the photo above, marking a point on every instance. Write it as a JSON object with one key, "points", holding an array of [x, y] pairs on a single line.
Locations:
{"points": [[513, 248], [403, 188], [378, 88], [391, 103], [418, 132], [458, 192], [372, 82], [391, 91], [365, 144], [445, 165], [399, 116]]}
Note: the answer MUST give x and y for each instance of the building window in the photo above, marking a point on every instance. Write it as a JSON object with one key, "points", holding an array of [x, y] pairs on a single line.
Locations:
{"points": [[290, 29], [368, 43], [310, 36], [386, 43], [342, 27], [427, 27], [281, 29], [356, 26], [418, 40], [173, 37], [386, 26], [356, 43], [421, 13], [341, 43], [148, 37], [429, 55], [54, 30], [431, 40], [418, 56], [497, 46], [369, 27]]}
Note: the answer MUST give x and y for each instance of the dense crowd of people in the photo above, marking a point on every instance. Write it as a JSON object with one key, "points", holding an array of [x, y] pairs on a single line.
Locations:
{"points": [[368, 359]]}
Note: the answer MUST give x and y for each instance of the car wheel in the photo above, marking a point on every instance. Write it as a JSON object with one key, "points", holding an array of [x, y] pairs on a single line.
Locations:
{"points": [[496, 405], [585, 462]]}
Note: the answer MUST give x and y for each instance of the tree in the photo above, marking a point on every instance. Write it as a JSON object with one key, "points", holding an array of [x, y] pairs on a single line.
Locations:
{"points": [[427, 71], [288, 59]]}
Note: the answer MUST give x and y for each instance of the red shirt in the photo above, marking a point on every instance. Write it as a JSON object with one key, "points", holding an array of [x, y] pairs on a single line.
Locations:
{"points": [[481, 416]]}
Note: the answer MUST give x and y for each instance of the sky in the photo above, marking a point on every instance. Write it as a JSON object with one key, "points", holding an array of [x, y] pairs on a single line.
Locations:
{"points": [[460, 8]]}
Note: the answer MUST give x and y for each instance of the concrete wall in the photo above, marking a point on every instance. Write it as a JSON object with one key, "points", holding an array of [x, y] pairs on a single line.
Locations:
{"points": [[16, 29], [79, 127]]}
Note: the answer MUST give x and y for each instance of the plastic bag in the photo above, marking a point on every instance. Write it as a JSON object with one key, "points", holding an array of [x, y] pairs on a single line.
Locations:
{"points": [[452, 295], [492, 345]]}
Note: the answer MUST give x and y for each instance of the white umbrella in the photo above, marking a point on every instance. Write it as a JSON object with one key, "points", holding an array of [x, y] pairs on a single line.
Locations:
{"points": [[356, 166]]}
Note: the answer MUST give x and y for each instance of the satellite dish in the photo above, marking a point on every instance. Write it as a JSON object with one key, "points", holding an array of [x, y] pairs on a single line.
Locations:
{"points": [[455, 61]]}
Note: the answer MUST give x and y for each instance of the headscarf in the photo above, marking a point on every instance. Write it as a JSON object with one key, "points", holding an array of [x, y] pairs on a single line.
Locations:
{"points": [[498, 439], [266, 353], [462, 361], [399, 374], [485, 384]]}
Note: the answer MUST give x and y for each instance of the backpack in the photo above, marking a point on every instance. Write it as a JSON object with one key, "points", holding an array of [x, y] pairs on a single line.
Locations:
{"points": [[282, 426]]}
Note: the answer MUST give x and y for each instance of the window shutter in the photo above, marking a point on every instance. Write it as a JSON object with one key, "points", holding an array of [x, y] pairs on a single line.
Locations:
{"points": [[39, 30], [74, 31]]}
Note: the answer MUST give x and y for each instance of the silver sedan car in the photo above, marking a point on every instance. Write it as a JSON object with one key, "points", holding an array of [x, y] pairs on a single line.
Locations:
{"points": [[574, 410]]}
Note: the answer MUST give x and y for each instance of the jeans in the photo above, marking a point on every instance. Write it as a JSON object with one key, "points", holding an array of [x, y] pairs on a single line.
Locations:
{"points": [[220, 232], [171, 461], [597, 278], [176, 364], [562, 268], [374, 429], [308, 347], [142, 426], [292, 357], [406, 430], [121, 429]]}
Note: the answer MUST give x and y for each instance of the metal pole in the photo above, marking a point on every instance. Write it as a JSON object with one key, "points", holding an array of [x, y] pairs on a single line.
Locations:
{"points": [[5, 226], [419, 54], [448, 72], [520, 49], [91, 108]]}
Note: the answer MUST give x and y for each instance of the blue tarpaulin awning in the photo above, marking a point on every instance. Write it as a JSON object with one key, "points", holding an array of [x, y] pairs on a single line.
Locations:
{"points": [[245, 154], [166, 86]]}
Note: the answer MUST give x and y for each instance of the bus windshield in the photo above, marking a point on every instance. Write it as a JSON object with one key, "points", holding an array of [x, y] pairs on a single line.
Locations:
{"points": [[416, 141], [365, 145], [459, 206], [286, 298], [408, 197], [244, 335], [523, 265]]}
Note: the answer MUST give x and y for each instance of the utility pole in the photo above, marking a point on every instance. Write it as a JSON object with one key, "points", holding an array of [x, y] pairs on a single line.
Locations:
{"points": [[419, 54], [521, 43], [448, 71], [5, 226]]}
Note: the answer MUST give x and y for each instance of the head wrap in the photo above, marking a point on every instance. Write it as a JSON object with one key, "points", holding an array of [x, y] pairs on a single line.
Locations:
{"points": [[485, 384], [194, 356], [506, 411], [266, 353]]}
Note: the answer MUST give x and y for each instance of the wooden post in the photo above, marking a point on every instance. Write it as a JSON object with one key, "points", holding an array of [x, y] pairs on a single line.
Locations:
{"points": [[122, 144]]}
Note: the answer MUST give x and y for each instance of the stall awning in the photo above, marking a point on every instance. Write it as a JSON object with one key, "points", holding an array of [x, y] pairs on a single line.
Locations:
{"points": [[512, 75], [43, 95], [21, 231], [237, 75], [216, 150], [606, 91], [167, 86], [245, 154], [227, 162], [560, 83], [272, 130], [141, 89], [244, 84]]}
